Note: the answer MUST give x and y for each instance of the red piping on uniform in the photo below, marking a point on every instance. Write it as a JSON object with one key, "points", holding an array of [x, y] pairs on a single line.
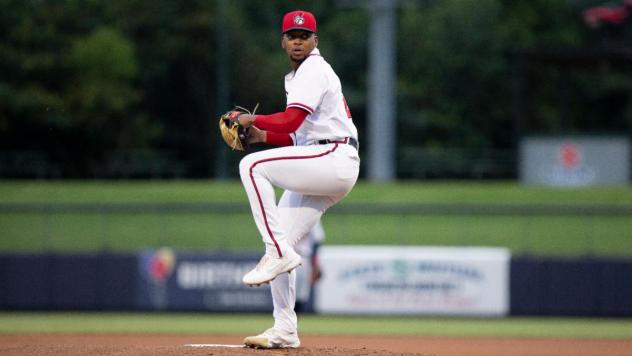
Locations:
{"points": [[252, 179], [302, 106]]}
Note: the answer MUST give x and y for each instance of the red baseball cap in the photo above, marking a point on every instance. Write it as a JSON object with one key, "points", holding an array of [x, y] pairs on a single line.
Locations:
{"points": [[299, 20]]}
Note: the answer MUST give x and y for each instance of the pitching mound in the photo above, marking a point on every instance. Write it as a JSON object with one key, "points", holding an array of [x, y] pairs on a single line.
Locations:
{"points": [[220, 345]]}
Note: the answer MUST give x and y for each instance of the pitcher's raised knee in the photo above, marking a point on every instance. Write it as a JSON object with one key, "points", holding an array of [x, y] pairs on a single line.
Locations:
{"points": [[245, 164]]}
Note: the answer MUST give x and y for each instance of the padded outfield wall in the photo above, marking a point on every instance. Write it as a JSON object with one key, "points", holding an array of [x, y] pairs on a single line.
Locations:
{"points": [[152, 280]]}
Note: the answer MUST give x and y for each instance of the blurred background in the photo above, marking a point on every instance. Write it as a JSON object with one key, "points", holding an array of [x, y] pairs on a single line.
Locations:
{"points": [[490, 123], [130, 89]]}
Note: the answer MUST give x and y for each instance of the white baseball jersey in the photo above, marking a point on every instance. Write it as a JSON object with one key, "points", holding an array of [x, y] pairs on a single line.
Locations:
{"points": [[315, 87]]}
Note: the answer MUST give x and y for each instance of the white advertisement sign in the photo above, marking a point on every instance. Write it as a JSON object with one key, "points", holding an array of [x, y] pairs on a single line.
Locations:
{"points": [[575, 161], [413, 280]]}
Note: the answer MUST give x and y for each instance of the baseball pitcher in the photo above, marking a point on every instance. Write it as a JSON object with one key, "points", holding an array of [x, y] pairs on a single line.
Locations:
{"points": [[316, 164]]}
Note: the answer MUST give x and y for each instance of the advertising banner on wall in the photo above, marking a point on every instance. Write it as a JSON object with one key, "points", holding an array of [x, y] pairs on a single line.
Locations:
{"points": [[575, 161], [413, 280], [171, 280]]}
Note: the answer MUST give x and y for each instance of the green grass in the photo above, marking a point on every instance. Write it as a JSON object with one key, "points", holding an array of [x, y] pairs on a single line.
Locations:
{"points": [[19, 322], [119, 192], [120, 232], [539, 235], [214, 191]]}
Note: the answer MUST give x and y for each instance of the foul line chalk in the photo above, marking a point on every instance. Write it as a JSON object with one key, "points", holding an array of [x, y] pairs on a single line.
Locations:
{"points": [[214, 345]]}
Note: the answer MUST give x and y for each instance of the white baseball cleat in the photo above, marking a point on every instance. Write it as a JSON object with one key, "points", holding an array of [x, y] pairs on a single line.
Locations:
{"points": [[273, 339], [269, 267]]}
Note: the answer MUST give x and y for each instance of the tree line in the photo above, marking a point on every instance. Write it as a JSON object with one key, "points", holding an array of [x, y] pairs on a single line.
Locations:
{"points": [[86, 82]]}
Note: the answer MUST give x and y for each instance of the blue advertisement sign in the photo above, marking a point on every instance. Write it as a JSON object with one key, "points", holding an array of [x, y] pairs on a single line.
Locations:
{"points": [[172, 280]]}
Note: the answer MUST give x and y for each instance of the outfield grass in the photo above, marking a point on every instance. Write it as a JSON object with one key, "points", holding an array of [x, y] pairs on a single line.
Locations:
{"points": [[231, 191], [565, 235], [20, 322]]}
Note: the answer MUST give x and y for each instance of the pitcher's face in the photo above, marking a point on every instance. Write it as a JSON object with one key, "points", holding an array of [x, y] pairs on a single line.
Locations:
{"points": [[298, 44]]}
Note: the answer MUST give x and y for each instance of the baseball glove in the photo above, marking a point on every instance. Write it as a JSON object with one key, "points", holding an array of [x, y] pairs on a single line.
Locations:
{"points": [[235, 135]]}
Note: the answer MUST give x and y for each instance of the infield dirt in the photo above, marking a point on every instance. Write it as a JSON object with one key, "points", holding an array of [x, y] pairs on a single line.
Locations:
{"points": [[167, 345]]}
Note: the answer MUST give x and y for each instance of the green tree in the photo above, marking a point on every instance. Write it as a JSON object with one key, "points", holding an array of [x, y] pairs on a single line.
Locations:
{"points": [[457, 71], [68, 84], [82, 78]]}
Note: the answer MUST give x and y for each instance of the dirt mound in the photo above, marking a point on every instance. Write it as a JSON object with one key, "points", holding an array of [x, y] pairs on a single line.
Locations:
{"points": [[78, 350], [176, 344]]}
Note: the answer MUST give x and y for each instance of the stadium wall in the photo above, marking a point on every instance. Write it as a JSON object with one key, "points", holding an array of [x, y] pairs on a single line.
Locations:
{"points": [[578, 286], [537, 286]]}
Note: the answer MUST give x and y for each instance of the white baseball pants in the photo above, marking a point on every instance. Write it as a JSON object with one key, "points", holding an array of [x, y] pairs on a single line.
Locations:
{"points": [[314, 178]]}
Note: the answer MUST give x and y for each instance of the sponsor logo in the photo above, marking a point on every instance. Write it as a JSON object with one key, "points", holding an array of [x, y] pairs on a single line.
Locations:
{"points": [[570, 169], [417, 280], [402, 269], [211, 274], [158, 266], [406, 284], [569, 156]]}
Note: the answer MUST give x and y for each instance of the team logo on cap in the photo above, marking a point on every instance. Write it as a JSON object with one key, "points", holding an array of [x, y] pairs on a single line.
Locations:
{"points": [[299, 20]]}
